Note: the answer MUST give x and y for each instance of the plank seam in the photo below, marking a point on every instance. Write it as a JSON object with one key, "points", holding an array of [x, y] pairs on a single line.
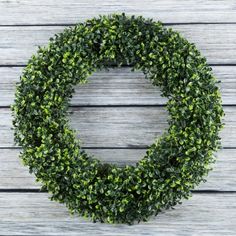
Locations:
{"points": [[38, 190], [94, 147], [118, 105], [112, 66], [73, 24]]}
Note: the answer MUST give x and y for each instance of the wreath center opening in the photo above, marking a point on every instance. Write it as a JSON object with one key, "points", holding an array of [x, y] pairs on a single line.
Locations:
{"points": [[117, 114]]}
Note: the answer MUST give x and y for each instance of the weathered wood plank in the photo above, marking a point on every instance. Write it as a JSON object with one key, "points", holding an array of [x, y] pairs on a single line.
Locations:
{"points": [[34, 214], [118, 126], [17, 44], [70, 11], [119, 86], [13, 175]]}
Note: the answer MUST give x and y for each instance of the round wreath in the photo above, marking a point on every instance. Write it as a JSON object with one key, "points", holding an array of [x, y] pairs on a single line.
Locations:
{"points": [[173, 165]]}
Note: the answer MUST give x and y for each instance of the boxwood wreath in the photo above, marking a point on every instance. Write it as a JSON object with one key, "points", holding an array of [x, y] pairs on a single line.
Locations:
{"points": [[173, 165]]}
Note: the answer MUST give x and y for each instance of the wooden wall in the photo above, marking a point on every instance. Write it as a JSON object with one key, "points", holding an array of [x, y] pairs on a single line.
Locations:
{"points": [[117, 115]]}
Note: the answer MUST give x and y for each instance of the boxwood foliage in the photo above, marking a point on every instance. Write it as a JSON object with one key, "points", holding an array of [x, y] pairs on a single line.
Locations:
{"points": [[173, 165]]}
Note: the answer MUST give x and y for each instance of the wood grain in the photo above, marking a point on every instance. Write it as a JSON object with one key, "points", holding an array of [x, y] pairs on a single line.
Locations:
{"points": [[13, 12], [34, 214], [17, 44], [13, 175], [115, 134], [118, 126], [118, 86]]}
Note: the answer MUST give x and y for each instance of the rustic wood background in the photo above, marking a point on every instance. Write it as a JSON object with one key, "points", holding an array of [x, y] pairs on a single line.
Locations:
{"points": [[118, 114]]}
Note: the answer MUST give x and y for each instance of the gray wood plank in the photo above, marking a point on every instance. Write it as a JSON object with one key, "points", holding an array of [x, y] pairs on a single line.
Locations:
{"points": [[13, 175], [70, 11], [34, 214], [118, 126], [118, 86], [17, 44]]}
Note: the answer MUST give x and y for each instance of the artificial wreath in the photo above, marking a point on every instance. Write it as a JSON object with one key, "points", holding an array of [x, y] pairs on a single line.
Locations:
{"points": [[173, 165]]}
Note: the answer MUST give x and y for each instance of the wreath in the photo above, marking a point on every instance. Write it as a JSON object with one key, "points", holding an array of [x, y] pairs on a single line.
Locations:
{"points": [[172, 166]]}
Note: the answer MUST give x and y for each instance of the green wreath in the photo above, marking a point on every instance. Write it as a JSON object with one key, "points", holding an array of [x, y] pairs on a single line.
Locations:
{"points": [[173, 165]]}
